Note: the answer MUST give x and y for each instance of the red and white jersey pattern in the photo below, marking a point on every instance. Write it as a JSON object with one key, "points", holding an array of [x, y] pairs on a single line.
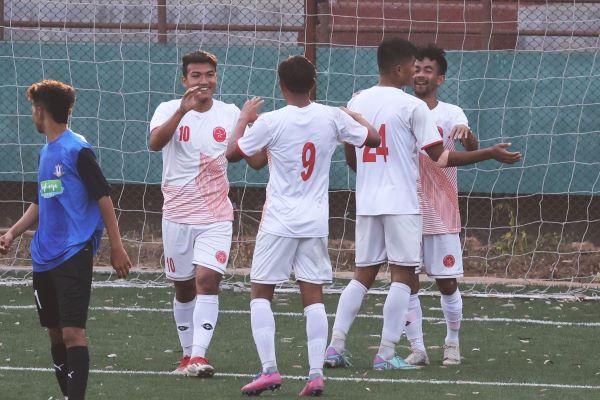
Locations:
{"points": [[300, 142], [194, 177], [437, 187], [386, 177]]}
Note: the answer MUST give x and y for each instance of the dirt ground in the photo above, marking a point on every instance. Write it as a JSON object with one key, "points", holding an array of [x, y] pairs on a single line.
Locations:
{"points": [[578, 261]]}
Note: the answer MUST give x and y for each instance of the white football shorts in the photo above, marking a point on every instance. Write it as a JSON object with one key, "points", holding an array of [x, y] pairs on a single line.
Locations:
{"points": [[276, 256], [442, 256], [395, 239], [186, 246]]}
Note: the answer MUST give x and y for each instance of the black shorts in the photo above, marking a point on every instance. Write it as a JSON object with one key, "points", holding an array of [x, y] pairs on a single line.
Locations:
{"points": [[62, 295]]}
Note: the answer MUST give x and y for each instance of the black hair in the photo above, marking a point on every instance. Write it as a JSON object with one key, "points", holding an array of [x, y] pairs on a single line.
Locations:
{"points": [[394, 51], [436, 54], [297, 74], [198, 57]]}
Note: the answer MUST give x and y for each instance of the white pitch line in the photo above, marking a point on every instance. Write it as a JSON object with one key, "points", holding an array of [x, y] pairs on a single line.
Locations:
{"points": [[331, 378], [140, 284], [367, 316]]}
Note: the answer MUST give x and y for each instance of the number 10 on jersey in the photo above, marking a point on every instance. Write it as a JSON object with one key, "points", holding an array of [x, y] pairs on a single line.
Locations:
{"points": [[371, 156]]}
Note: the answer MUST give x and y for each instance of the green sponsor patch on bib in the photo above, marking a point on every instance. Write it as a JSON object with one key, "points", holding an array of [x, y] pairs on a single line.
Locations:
{"points": [[51, 188]]}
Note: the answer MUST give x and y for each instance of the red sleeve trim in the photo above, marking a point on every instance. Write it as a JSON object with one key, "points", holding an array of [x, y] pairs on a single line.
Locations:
{"points": [[432, 144], [240, 150]]}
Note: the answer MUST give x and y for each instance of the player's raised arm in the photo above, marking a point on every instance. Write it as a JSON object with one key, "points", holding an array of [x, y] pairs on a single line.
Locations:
{"points": [[465, 135], [160, 136], [498, 152], [248, 115], [425, 131], [373, 137], [25, 222]]}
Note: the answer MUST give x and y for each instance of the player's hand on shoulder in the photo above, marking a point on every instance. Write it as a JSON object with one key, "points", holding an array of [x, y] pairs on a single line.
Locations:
{"points": [[5, 242], [459, 132], [355, 115], [500, 153], [250, 109], [188, 101], [120, 261]]}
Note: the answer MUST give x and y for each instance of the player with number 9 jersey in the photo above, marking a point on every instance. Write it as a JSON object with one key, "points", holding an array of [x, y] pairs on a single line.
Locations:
{"points": [[299, 140]]}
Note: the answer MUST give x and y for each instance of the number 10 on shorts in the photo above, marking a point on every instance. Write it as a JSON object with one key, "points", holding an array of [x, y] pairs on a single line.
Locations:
{"points": [[170, 264]]}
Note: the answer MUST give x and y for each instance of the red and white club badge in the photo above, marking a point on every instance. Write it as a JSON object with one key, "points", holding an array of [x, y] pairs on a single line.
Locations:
{"points": [[219, 134], [449, 261], [221, 256]]}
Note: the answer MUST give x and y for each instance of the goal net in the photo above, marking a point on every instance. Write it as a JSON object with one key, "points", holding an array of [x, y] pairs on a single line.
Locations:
{"points": [[525, 72]]}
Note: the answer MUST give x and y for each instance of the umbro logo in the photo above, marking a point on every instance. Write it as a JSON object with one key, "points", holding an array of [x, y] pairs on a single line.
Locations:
{"points": [[207, 326], [183, 328]]}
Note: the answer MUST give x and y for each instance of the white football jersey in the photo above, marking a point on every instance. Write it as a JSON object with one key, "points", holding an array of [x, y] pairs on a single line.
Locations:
{"points": [[194, 176], [437, 187], [300, 143], [386, 176]]}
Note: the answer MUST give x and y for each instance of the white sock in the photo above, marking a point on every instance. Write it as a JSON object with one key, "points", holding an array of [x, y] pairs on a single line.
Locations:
{"points": [[452, 306], [394, 318], [347, 309], [414, 323], [263, 331], [184, 320], [205, 320], [316, 336]]}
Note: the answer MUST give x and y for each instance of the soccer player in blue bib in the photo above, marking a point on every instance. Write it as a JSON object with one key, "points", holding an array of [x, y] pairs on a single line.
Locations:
{"points": [[72, 208]]}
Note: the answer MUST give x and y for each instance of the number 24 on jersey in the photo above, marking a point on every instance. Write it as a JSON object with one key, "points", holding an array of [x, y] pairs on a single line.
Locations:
{"points": [[370, 154]]}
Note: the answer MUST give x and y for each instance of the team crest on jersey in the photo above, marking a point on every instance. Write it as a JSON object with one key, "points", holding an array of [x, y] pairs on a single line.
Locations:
{"points": [[441, 131], [449, 261], [221, 256], [58, 170], [219, 134]]}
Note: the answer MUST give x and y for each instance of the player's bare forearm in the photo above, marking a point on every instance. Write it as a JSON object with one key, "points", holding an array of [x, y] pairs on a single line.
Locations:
{"points": [[258, 161], [29, 218], [350, 152], [160, 136], [107, 211], [470, 143], [446, 158], [233, 152], [118, 256], [26, 221], [373, 137], [458, 158]]}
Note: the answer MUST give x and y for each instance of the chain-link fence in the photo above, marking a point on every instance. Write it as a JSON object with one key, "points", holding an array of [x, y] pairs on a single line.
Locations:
{"points": [[523, 71]]}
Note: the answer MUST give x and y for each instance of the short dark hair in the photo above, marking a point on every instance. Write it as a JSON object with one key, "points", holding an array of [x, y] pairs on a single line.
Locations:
{"points": [[55, 97], [198, 57], [297, 74], [394, 51], [434, 53]]}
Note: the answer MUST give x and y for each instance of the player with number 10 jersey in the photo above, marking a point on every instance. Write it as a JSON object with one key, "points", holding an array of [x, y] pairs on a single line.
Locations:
{"points": [[192, 133]]}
